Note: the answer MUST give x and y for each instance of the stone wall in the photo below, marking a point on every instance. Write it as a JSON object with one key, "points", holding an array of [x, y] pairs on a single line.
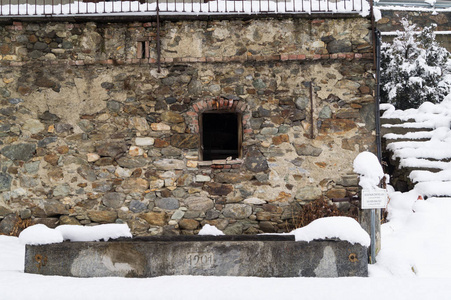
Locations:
{"points": [[390, 22], [92, 133]]}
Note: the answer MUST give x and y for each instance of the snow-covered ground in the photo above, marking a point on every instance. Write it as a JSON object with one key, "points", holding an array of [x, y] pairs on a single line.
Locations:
{"points": [[413, 264]]}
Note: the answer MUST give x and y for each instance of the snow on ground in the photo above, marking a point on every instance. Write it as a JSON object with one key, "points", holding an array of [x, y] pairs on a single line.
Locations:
{"points": [[413, 264]]}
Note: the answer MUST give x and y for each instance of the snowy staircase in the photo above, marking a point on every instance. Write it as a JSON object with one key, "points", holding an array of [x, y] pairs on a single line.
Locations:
{"points": [[418, 150]]}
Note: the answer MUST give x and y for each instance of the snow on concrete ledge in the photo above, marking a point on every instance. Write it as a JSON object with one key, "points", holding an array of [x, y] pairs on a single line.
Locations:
{"points": [[343, 228]]}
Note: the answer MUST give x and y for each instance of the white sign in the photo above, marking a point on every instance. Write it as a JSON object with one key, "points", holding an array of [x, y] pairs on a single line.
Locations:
{"points": [[374, 199]]}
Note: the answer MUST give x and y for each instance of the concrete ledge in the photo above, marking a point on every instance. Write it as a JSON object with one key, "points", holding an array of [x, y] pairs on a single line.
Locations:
{"points": [[261, 256]]}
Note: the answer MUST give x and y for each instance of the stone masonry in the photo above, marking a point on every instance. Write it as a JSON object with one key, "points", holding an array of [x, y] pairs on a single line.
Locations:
{"points": [[92, 133]]}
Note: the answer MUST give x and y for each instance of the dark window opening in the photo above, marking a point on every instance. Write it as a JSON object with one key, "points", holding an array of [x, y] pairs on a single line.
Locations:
{"points": [[142, 49], [221, 135]]}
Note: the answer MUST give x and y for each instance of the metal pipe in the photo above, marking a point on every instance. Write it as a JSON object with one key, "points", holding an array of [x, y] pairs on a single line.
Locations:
{"points": [[373, 237], [158, 38]]}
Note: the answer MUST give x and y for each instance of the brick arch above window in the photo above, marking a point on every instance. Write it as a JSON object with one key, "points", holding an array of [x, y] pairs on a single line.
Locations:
{"points": [[218, 104]]}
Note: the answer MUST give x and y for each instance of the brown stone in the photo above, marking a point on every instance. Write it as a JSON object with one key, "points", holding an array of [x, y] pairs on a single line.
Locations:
{"points": [[272, 208], [232, 177], [172, 117], [62, 149], [159, 143], [135, 184], [214, 188], [321, 164], [56, 174], [154, 218], [52, 159], [5, 49], [102, 216], [66, 220], [336, 193], [188, 224], [263, 216], [283, 138], [336, 126], [185, 141]]}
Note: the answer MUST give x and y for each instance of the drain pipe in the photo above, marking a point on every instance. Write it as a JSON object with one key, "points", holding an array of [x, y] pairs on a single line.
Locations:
{"points": [[377, 100]]}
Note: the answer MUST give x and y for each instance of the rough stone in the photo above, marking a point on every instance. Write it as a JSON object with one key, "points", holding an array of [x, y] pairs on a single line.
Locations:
{"points": [[137, 206], [7, 224], [188, 224], [102, 216], [167, 203], [185, 141], [5, 182], [54, 208], [199, 203], [111, 149], [218, 189], [67, 220], [237, 211], [255, 161], [308, 193], [169, 164], [19, 151], [307, 150], [232, 177], [113, 199], [155, 218]]}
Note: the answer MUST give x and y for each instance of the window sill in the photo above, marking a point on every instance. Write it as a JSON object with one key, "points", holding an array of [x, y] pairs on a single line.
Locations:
{"points": [[220, 162]]}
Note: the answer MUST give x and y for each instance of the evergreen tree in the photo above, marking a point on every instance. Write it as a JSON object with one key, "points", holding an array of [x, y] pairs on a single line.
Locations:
{"points": [[413, 68]]}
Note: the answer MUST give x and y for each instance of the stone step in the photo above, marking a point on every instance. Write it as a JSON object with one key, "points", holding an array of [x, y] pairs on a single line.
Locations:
{"points": [[428, 176], [423, 164], [402, 130], [394, 121], [434, 188]]}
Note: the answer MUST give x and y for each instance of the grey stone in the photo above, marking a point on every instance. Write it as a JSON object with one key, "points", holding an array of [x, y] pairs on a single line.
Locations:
{"points": [[15, 100], [113, 199], [63, 127], [307, 150], [199, 203], [111, 149], [325, 113], [169, 164], [256, 123], [28, 181], [171, 151], [259, 84], [25, 214], [67, 45], [5, 211], [132, 162], [255, 161], [87, 173], [36, 54], [302, 102], [47, 141], [86, 125], [137, 206], [234, 229], [19, 151], [7, 224], [308, 193], [5, 182], [61, 190], [339, 46], [40, 46], [237, 211], [269, 131], [49, 117], [167, 203], [54, 208], [367, 114], [101, 187], [212, 214], [114, 106]]}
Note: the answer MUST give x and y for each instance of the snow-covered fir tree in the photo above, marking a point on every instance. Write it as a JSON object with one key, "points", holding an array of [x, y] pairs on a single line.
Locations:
{"points": [[413, 68]]}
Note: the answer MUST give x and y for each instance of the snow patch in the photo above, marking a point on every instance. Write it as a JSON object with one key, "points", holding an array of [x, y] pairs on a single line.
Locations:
{"points": [[343, 228], [210, 230]]}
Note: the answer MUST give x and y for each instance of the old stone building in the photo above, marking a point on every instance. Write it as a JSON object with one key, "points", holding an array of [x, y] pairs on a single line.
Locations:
{"points": [[245, 120]]}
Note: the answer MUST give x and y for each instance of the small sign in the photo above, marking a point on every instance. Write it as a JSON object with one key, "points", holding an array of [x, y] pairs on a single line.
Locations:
{"points": [[374, 199]]}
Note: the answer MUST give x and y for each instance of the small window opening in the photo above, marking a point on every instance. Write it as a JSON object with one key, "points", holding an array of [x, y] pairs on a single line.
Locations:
{"points": [[221, 135], [142, 49]]}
